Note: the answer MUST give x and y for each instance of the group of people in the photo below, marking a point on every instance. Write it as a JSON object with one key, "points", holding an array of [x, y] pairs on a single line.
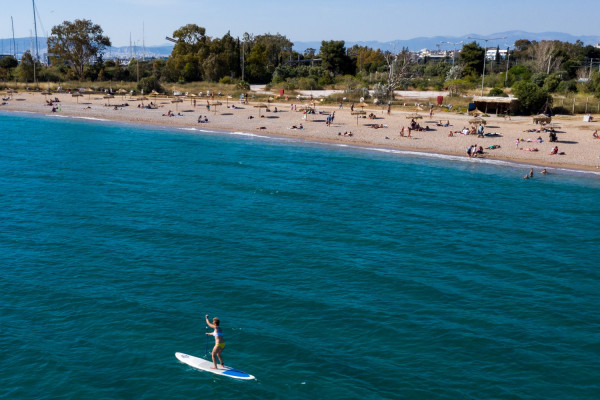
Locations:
{"points": [[473, 151], [202, 120], [529, 175], [330, 119]]}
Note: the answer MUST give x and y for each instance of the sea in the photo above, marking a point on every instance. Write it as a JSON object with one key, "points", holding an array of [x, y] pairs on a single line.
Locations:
{"points": [[338, 272]]}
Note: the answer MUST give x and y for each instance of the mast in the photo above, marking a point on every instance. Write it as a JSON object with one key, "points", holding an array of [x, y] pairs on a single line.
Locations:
{"points": [[37, 47], [13, 32], [143, 42]]}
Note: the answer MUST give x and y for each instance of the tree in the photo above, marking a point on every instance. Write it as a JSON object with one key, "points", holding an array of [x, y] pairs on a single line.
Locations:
{"points": [[79, 43], [7, 63], [25, 71], [398, 69], [471, 58], [532, 98], [333, 54]]}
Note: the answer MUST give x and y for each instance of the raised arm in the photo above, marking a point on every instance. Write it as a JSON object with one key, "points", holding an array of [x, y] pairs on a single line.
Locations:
{"points": [[209, 323]]}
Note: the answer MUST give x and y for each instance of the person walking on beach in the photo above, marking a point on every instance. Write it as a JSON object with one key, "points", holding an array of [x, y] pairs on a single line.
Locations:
{"points": [[219, 341]]}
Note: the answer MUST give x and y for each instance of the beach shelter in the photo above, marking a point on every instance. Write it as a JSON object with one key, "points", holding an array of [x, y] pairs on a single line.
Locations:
{"points": [[227, 101], [142, 99], [477, 121], [89, 91], [11, 91], [414, 116], [191, 96], [154, 93], [259, 106], [77, 95], [176, 101], [122, 92], [358, 114], [215, 104], [362, 105], [108, 97], [542, 119], [46, 93]]}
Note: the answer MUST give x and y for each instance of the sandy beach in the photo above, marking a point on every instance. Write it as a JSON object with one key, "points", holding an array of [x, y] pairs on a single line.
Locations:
{"points": [[512, 138]]}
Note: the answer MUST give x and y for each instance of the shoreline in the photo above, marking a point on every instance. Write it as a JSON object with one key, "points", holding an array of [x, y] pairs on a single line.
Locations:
{"points": [[582, 151]]}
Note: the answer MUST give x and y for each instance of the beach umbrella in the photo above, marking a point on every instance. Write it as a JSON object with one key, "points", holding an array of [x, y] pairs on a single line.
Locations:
{"points": [[122, 92], [228, 97], [414, 116], [215, 104], [477, 121], [259, 106], [142, 99], [108, 97], [358, 114], [362, 105], [176, 100], [12, 91], [191, 96], [89, 92], [77, 95], [46, 93], [154, 93]]}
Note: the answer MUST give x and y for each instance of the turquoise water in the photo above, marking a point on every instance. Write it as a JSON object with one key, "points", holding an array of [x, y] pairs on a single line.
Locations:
{"points": [[337, 272]]}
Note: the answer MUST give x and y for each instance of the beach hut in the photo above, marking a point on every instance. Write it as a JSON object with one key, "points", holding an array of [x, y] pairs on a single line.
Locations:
{"points": [[77, 95], [477, 121], [542, 119], [259, 106], [358, 113]]}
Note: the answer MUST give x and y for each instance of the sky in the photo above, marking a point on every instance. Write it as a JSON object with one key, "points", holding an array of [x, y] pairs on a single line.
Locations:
{"points": [[149, 21]]}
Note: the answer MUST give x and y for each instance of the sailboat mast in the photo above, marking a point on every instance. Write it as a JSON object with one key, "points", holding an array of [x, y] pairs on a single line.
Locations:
{"points": [[37, 47], [143, 42], [12, 23]]}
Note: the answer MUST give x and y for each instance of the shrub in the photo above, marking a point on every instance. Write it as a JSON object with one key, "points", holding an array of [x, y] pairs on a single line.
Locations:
{"points": [[149, 84], [497, 92]]}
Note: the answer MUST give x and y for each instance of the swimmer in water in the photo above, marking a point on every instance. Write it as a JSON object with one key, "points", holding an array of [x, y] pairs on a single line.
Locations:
{"points": [[219, 341]]}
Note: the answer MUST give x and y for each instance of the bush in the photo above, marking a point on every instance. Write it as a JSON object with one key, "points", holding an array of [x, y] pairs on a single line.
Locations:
{"points": [[566, 87], [242, 85], [497, 92], [149, 84], [532, 98], [226, 80]]}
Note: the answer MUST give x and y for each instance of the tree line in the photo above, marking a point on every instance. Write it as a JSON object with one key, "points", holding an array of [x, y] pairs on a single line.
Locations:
{"points": [[532, 70]]}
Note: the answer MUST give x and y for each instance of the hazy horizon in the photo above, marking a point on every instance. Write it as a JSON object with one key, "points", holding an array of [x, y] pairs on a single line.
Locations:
{"points": [[149, 21]]}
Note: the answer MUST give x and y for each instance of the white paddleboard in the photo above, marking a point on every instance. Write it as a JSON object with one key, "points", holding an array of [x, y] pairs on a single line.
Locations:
{"points": [[205, 365]]}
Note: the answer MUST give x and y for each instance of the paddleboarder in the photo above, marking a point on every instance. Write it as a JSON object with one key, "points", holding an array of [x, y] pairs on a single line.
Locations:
{"points": [[219, 341]]}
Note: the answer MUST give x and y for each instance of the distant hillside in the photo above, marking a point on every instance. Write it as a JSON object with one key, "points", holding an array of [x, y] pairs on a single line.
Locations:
{"points": [[431, 43], [414, 44]]}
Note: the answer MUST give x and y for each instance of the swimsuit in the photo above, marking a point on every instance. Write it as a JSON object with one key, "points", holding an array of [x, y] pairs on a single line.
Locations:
{"points": [[216, 334]]}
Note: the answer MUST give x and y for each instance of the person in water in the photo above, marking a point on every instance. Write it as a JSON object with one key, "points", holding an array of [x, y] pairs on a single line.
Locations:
{"points": [[219, 341]]}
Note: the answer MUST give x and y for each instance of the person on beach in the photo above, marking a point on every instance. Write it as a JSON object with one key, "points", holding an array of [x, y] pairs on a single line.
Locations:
{"points": [[219, 340]]}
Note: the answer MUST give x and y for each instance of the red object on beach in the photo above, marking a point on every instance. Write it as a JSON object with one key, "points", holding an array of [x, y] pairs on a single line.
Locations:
{"points": [[281, 92], [440, 100]]}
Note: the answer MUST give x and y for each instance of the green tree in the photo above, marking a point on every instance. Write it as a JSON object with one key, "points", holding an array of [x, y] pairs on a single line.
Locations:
{"points": [[25, 71], [333, 54], [79, 43], [7, 64], [471, 58], [532, 98]]}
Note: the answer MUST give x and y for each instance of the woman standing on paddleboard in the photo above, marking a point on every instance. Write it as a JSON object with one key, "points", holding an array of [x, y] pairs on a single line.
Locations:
{"points": [[219, 340]]}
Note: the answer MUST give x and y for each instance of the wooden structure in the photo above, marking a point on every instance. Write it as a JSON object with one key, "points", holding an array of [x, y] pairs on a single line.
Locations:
{"points": [[497, 105]]}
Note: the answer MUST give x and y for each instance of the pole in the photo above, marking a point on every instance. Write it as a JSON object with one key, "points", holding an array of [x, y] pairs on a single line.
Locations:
{"points": [[507, 62], [13, 33], [37, 47], [484, 58]]}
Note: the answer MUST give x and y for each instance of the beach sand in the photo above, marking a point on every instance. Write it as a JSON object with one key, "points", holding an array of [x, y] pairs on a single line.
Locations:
{"points": [[575, 140]]}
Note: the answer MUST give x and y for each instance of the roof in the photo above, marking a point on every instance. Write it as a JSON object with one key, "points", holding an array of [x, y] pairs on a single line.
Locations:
{"points": [[491, 99]]}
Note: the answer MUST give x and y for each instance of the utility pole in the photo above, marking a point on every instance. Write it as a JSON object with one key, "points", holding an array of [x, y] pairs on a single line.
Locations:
{"points": [[485, 56], [454, 53]]}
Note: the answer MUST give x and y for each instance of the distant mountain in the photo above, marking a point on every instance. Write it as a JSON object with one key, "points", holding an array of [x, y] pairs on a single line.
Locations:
{"points": [[420, 43], [414, 44]]}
